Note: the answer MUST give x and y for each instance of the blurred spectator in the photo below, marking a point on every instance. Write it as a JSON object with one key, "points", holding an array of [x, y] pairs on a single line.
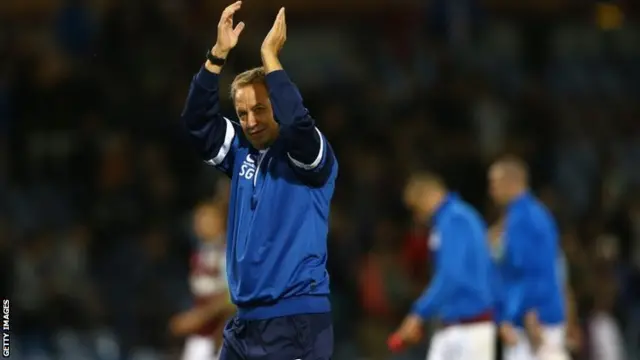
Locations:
{"points": [[385, 290], [605, 334]]}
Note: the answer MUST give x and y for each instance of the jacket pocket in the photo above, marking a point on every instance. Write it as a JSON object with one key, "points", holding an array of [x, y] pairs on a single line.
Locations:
{"points": [[301, 326]]}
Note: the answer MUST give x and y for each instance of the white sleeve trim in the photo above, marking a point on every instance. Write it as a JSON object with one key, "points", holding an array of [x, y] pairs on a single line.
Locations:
{"points": [[315, 162], [229, 134]]}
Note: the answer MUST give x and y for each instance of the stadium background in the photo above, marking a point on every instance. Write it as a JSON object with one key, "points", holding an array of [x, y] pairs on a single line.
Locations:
{"points": [[97, 180]]}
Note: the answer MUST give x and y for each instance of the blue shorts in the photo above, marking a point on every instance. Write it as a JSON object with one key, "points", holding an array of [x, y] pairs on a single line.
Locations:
{"points": [[295, 337]]}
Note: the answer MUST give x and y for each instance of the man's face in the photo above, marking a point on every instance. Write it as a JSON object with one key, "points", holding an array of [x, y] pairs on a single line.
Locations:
{"points": [[498, 185], [256, 115], [420, 198]]}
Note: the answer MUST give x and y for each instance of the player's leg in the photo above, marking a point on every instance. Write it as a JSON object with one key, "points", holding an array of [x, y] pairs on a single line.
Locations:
{"points": [[521, 350], [476, 341], [198, 348], [552, 347], [437, 346], [233, 341], [227, 353], [553, 344]]}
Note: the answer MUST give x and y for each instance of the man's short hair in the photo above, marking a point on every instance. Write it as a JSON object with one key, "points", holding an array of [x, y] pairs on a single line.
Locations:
{"points": [[423, 178], [514, 166], [249, 77]]}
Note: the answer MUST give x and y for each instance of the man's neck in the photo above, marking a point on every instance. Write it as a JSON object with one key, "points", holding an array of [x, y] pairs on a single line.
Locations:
{"points": [[426, 213], [518, 193], [441, 198], [266, 145], [422, 217]]}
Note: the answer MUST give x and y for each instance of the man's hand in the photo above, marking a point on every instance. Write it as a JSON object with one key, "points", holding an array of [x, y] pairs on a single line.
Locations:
{"points": [[411, 330], [273, 43], [533, 329], [508, 334], [227, 34]]}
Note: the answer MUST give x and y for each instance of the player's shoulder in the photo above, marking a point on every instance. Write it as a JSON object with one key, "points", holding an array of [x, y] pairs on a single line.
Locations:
{"points": [[464, 214], [534, 207], [234, 123], [243, 154], [533, 216]]}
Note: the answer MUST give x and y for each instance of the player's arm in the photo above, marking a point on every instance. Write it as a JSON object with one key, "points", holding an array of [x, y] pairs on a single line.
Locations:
{"points": [[497, 291], [194, 319], [308, 150], [518, 256], [447, 273], [574, 332], [213, 135], [449, 269]]}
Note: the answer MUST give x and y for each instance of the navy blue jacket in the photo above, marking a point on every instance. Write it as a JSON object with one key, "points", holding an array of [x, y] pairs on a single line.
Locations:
{"points": [[279, 202], [462, 285], [529, 267]]}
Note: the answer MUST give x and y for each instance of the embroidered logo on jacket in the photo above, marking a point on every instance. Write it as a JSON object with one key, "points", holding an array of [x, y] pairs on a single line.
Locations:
{"points": [[248, 168]]}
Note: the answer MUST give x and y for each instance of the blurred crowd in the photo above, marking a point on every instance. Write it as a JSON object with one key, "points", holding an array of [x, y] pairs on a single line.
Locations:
{"points": [[98, 180]]}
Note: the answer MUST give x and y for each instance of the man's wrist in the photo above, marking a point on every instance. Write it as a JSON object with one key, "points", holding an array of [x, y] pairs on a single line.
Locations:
{"points": [[212, 68], [270, 62], [415, 315], [219, 53]]}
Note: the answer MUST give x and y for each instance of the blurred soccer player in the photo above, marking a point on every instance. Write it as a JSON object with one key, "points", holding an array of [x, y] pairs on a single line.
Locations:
{"points": [[460, 294], [533, 314], [283, 173], [208, 280]]}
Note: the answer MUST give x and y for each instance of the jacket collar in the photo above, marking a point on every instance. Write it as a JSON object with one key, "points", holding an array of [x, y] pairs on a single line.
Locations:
{"points": [[520, 199]]}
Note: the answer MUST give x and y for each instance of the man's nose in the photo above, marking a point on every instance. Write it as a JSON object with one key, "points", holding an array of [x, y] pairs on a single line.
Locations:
{"points": [[251, 120]]}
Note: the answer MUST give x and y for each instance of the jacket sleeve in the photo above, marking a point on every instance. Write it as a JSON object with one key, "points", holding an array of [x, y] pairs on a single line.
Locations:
{"points": [[518, 254], [213, 135], [449, 269], [308, 150]]}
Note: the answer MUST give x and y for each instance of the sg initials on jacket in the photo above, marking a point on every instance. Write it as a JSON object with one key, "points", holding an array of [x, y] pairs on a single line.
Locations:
{"points": [[248, 168]]}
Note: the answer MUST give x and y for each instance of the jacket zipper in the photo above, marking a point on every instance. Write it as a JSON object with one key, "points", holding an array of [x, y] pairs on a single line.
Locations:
{"points": [[254, 194], [260, 159]]}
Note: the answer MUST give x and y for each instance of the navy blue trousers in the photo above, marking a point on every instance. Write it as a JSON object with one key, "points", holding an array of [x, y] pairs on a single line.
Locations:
{"points": [[296, 337]]}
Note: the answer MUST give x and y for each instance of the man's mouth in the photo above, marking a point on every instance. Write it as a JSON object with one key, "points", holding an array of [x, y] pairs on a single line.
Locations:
{"points": [[256, 131]]}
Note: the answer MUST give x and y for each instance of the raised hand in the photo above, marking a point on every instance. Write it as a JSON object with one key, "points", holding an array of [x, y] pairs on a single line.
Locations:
{"points": [[227, 33], [276, 37]]}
